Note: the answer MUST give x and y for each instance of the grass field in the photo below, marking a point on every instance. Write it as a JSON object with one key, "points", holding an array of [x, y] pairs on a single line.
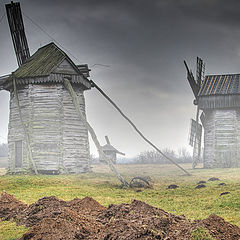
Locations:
{"points": [[105, 188]]}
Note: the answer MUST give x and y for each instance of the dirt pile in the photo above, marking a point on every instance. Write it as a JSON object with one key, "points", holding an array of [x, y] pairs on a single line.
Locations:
{"points": [[139, 220], [86, 206], [220, 229], [67, 225], [10, 207], [47, 207], [52, 219]]}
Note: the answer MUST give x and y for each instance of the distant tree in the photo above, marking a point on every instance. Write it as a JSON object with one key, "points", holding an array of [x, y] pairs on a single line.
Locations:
{"points": [[154, 157], [184, 156]]}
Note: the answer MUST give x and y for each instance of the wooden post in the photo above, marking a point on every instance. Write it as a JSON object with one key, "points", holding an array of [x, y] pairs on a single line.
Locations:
{"points": [[69, 87], [107, 140], [196, 143], [24, 127]]}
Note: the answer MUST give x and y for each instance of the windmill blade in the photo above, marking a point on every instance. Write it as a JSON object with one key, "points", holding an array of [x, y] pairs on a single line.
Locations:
{"points": [[200, 71], [195, 87], [16, 26]]}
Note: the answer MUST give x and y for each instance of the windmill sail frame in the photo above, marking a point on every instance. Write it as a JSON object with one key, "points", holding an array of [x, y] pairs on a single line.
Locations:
{"points": [[16, 26]]}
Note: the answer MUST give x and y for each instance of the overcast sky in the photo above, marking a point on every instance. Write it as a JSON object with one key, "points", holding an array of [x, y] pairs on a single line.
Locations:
{"points": [[144, 44]]}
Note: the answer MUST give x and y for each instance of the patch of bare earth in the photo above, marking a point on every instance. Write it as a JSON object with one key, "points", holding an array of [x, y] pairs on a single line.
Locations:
{"points": [[53, 219]]}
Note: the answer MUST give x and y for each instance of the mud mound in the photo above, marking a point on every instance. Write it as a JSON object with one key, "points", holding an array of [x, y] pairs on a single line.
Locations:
{"points": [[133, 210], [67, 225], [139, 220], [10, 207], [86, 206], [173, 186], [53, 219], [213, 179], [220, 229], [47, 207]]}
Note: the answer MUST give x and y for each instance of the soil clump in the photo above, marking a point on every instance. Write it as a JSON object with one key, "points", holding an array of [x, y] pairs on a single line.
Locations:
{"points": [[213, 179], [173, 186], [200, 186]]}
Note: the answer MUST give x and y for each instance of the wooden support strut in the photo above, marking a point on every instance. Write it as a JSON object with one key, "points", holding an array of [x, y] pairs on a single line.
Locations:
{"points": [[137, 130], [69, 87], [24, 127]]}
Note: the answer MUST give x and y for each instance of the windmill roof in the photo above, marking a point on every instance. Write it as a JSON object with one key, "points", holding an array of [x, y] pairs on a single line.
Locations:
{"points": [[40, 68], [109, 147], [43, 62], [220, 85]]}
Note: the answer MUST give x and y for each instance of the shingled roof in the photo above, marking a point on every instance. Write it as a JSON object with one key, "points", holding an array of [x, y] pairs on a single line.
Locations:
{"points": [[40, 68], [220, 85], [43, 62]]}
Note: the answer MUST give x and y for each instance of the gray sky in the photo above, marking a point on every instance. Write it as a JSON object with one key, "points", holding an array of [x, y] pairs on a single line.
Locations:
{"points": [[144, 43]]}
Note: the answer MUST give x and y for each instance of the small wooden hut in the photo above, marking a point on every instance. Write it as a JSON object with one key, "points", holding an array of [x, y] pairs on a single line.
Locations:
{"points": [[58, 139], [219, 99]]}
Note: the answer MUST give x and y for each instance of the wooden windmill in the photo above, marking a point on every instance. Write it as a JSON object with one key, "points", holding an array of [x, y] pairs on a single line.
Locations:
{"points": [[45, 134], [111, 151], [218, 97]]}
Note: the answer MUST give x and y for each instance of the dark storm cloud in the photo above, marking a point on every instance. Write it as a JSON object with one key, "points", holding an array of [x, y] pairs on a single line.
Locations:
{"points": [[144, 42]]}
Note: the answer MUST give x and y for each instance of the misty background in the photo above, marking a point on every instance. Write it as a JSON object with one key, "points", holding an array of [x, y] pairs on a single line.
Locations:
{"points": [[135, 49]]}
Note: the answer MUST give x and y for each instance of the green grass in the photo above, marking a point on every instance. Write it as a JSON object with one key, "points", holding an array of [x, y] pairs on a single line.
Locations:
{"points": [[102, 185], [10, 231], [201, 234]]}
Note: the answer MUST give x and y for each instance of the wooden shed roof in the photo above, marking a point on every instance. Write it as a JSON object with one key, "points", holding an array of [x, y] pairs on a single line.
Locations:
{"points": [[220, 85], [110, 148]]}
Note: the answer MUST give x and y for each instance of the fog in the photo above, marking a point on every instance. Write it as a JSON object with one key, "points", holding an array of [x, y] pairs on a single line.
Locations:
{"points": [[135, 49]]}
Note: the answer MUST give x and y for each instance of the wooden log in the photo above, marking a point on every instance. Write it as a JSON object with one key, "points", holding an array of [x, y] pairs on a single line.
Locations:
{"points": [[68, 86]]}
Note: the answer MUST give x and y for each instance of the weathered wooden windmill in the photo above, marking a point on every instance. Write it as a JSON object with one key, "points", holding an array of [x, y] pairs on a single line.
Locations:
{"points": [[111, 151], [218, 97], [45, 134]]}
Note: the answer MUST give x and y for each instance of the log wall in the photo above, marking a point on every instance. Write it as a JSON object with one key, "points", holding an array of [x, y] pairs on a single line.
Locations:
{"points": [[221, 138], [15, 129], [59, 141]]}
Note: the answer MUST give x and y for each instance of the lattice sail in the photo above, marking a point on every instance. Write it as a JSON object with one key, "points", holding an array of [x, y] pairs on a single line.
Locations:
{"points": [[16, 26]]}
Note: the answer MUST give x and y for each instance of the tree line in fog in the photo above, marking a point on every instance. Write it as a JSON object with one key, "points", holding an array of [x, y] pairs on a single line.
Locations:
{"points": [[154, 157]]}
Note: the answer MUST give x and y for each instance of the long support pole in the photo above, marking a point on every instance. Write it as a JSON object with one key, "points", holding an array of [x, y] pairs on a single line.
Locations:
{"points": [[68, 86], [24, 127], [137, 130]]}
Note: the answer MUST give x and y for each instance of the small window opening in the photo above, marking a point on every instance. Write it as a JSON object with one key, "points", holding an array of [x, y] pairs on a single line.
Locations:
{"points": [[18, 154]]}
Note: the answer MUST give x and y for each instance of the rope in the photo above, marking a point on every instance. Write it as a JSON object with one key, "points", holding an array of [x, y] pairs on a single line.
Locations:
{"points": [[53, 39], [136, 129], [2, 17]]}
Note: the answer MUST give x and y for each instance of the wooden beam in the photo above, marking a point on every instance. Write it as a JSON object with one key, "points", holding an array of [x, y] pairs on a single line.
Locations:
{"points": [[82, 118], [107, 140], [24, 127], [195, 87]]}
